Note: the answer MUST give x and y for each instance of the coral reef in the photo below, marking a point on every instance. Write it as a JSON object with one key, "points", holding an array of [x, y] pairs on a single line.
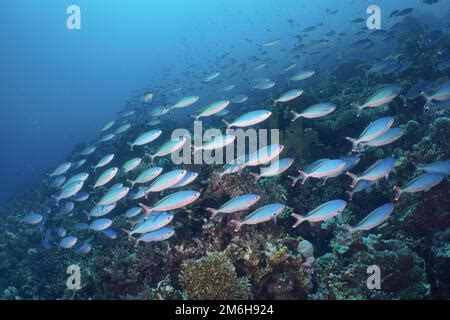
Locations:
{"points": [[213, 277]]}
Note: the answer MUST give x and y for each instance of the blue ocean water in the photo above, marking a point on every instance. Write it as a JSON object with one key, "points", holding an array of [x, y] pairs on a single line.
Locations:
{"points": [[59, 86]]}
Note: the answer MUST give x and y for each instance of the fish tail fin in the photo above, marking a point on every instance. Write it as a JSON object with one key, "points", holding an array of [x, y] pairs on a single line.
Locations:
{"points": [[354, 143], [294, 180], [236, 224], [128, 232], [56, 199], [405, 101], [350, 195], [147, 210], [427, 98], [214, 212], [398, 192], [299, 219], [358, 107], [227, 123], [354, 177], [131, 182], [274, 102], [256, 177], [131, 145], [304, 175], [295, 114], [87, 214], [347, 228]]}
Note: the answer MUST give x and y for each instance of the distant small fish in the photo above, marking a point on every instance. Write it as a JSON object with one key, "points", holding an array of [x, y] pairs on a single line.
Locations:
{"points": [[324, 169], [378, 170], [442, 93], [145, 138], [46, 241], [271, 43], [390, 136], [61, 169], [61, 232], [67, 208], [373, 219], [80, 226], [185, 102], [424, 182], [68, 242], [100, 210], [302, 75], [84, 248], [315, 111], [264, 85], [263, 214], [360, 45], [88, 150], [275, 168], [442, 167], [123, 128], [155, 222], [361, 185], [166, 181], [131, 164], [443, 105], [106, 177], [404, 12], [57, 182], [32, 218], [323, 212], [113, 195], [211, 77], [213, 108], [105, 160], [380, 98], [241, 98], [216, 142], [263, 155], [235, 165], [69, 191], [372, 131], [443, 65], [239, 203], [133, 212], [415, 91], [249, 119], [83, 176], [157, 235], [137, 193], [110, 234], [187, 179], [107, 137], [172, 201], [289, 95], [146, 176], [100, 224], [108, 126], [148, 97]]}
